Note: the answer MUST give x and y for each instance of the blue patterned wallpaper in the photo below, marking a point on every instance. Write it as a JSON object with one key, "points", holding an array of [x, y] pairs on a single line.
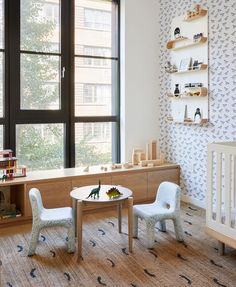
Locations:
{"points": [[187, 145]]}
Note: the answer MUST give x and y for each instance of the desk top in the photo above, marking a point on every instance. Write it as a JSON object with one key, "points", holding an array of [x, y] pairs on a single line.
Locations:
{"points": [[83, 192]]}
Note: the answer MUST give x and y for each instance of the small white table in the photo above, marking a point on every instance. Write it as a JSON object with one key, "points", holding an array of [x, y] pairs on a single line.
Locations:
{"points": [[80, 196]]}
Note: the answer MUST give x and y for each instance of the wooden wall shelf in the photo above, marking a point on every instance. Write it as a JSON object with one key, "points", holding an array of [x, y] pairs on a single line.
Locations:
{"points": [[203, 67], [203, 122], [202, 13], [200, 41], [171, 43]]}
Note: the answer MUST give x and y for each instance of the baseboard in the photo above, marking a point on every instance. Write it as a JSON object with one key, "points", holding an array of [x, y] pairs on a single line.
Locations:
{"points": [[194, 201]]}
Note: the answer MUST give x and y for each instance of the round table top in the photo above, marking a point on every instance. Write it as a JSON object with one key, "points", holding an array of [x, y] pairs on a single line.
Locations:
{"points": [[82, 193]]}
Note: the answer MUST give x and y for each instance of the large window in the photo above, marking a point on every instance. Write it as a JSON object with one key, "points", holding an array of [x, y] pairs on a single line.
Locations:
{"points": [[96, 82], [59, 100]]}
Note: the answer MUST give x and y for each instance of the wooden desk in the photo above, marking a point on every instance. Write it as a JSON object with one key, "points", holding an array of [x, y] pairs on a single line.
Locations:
{"points": [[80, 196]]}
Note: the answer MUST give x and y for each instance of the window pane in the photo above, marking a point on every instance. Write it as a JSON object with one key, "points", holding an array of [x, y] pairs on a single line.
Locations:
{"points": [[40, 84], [93, 27], [1, 24], [93, 143], [1, 137], [1, 83], [40, 146], [95, 92], [40, 25]]}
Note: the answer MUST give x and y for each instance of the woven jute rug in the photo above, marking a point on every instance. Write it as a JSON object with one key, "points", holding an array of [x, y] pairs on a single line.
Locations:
{"points": [[107, 262]]}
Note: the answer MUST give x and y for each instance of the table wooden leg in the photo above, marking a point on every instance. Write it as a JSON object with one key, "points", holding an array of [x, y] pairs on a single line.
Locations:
{"points": [[119, 209], [74, 208], [79, 228], [130, 223]]}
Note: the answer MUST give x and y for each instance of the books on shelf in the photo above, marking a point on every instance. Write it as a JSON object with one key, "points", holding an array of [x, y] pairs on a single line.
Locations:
{"points": [[10, 214]]}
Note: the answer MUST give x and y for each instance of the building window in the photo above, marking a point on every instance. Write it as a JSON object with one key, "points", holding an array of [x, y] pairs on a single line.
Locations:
{"points": [[43, 120], [97, 19]]}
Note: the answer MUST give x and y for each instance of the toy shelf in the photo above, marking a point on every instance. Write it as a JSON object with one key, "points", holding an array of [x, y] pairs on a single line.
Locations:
{"points": [[202, 13], [203, 92], [200, 41], [203, 67], [171, 43]]}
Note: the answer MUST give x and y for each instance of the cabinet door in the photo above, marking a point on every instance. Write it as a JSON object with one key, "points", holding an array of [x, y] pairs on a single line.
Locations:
{"points": [[137, 183], [157, 177], [92, 180], [54, 194]]}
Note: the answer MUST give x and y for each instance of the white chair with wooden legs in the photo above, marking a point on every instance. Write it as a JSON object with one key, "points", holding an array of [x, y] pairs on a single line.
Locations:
{"points": [[166, 206], [43, 217]]}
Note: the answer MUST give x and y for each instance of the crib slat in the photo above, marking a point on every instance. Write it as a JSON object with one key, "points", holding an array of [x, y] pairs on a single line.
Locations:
{"points": [[209, 210], [218, 185], [228, 189]]}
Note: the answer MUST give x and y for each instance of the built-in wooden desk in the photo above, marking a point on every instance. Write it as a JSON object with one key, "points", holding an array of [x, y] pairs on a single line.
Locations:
{"points": [[56, 185]]}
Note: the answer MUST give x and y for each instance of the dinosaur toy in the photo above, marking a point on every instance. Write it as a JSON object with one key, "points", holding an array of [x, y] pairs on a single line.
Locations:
{"points": [[113, 192], [95, 191]]}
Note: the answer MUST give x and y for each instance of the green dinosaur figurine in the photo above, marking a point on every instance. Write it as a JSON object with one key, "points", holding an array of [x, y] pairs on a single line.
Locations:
{"points": [[113, 192], [95, 191]]}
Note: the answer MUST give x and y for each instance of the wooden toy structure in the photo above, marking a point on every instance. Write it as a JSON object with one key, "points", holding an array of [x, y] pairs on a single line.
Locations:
{"points": [[7, 164], [151, 157]]}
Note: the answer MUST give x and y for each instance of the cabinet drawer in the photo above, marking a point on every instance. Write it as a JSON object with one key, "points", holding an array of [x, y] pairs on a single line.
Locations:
{"points": [[54, 194], [137, 183], [157, 177]]}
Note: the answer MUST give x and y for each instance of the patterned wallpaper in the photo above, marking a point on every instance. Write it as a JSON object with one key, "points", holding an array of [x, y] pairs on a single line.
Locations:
{"points": [[187, 145]]}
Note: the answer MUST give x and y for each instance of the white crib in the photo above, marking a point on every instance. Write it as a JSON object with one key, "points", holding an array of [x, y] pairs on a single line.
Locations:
{"points": [[221, 193]]}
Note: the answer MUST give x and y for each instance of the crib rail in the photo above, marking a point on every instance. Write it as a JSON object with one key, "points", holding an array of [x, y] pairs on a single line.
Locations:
{"points": [[221, 188]]}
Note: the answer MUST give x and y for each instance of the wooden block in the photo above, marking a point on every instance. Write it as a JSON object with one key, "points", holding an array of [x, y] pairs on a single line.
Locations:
{"points": [[154, 149]]}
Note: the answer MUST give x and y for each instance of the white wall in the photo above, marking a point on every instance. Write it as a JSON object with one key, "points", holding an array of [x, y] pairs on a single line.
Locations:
{"points": [[139, 74]]}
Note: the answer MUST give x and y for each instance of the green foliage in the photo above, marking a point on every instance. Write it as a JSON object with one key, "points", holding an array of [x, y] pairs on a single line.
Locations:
{"points": [[88, 155]]}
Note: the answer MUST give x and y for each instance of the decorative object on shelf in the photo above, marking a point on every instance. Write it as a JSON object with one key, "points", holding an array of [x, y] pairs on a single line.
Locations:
{"points": [[95, 191], [197, 13], [113, 193], [185, 64], [104, 168], [193, 85], [177, 91], [177, 33], [196, 37], [169, 68], [196, 92], [127, 165], [116, 166], [86, 169], [197, 116], [137, 155], [8, 164]]}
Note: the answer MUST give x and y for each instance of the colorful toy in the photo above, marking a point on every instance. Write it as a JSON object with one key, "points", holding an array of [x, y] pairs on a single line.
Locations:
{"points": [[113, 193], [95, 191], [7, 164]]}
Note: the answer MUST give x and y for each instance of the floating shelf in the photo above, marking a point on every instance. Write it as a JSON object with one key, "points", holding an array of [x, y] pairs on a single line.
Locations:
{"points": [[172, 42], [188, 122], [203, 67], [203, 92], [201, 40], [195, 16]]}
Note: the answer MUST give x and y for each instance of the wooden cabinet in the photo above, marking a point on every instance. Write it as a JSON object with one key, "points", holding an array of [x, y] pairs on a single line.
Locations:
{"points": [[136, 182], [157, 177], [54, 194], [55, 186]]}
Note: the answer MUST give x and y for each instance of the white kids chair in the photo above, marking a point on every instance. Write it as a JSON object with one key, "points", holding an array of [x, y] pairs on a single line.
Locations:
{"points": [[43, 217], [166, 206]]}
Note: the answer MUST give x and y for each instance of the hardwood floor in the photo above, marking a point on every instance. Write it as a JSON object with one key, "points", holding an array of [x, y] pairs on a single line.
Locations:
{"points": [[106, 261]]}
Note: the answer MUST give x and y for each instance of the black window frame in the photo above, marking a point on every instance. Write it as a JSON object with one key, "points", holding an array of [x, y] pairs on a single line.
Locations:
{"points": [[13, 115]]}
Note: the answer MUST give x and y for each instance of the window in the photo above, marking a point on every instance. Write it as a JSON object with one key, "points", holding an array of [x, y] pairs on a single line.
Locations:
{"points": [[96, 82], [47, 122]]}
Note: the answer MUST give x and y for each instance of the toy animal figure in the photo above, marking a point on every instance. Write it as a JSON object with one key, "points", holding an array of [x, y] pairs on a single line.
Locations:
{"points": [[113, 192], [95, 191]]}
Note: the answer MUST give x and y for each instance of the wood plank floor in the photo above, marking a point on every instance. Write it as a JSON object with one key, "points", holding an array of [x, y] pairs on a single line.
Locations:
{"points": [[106, 261]]}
